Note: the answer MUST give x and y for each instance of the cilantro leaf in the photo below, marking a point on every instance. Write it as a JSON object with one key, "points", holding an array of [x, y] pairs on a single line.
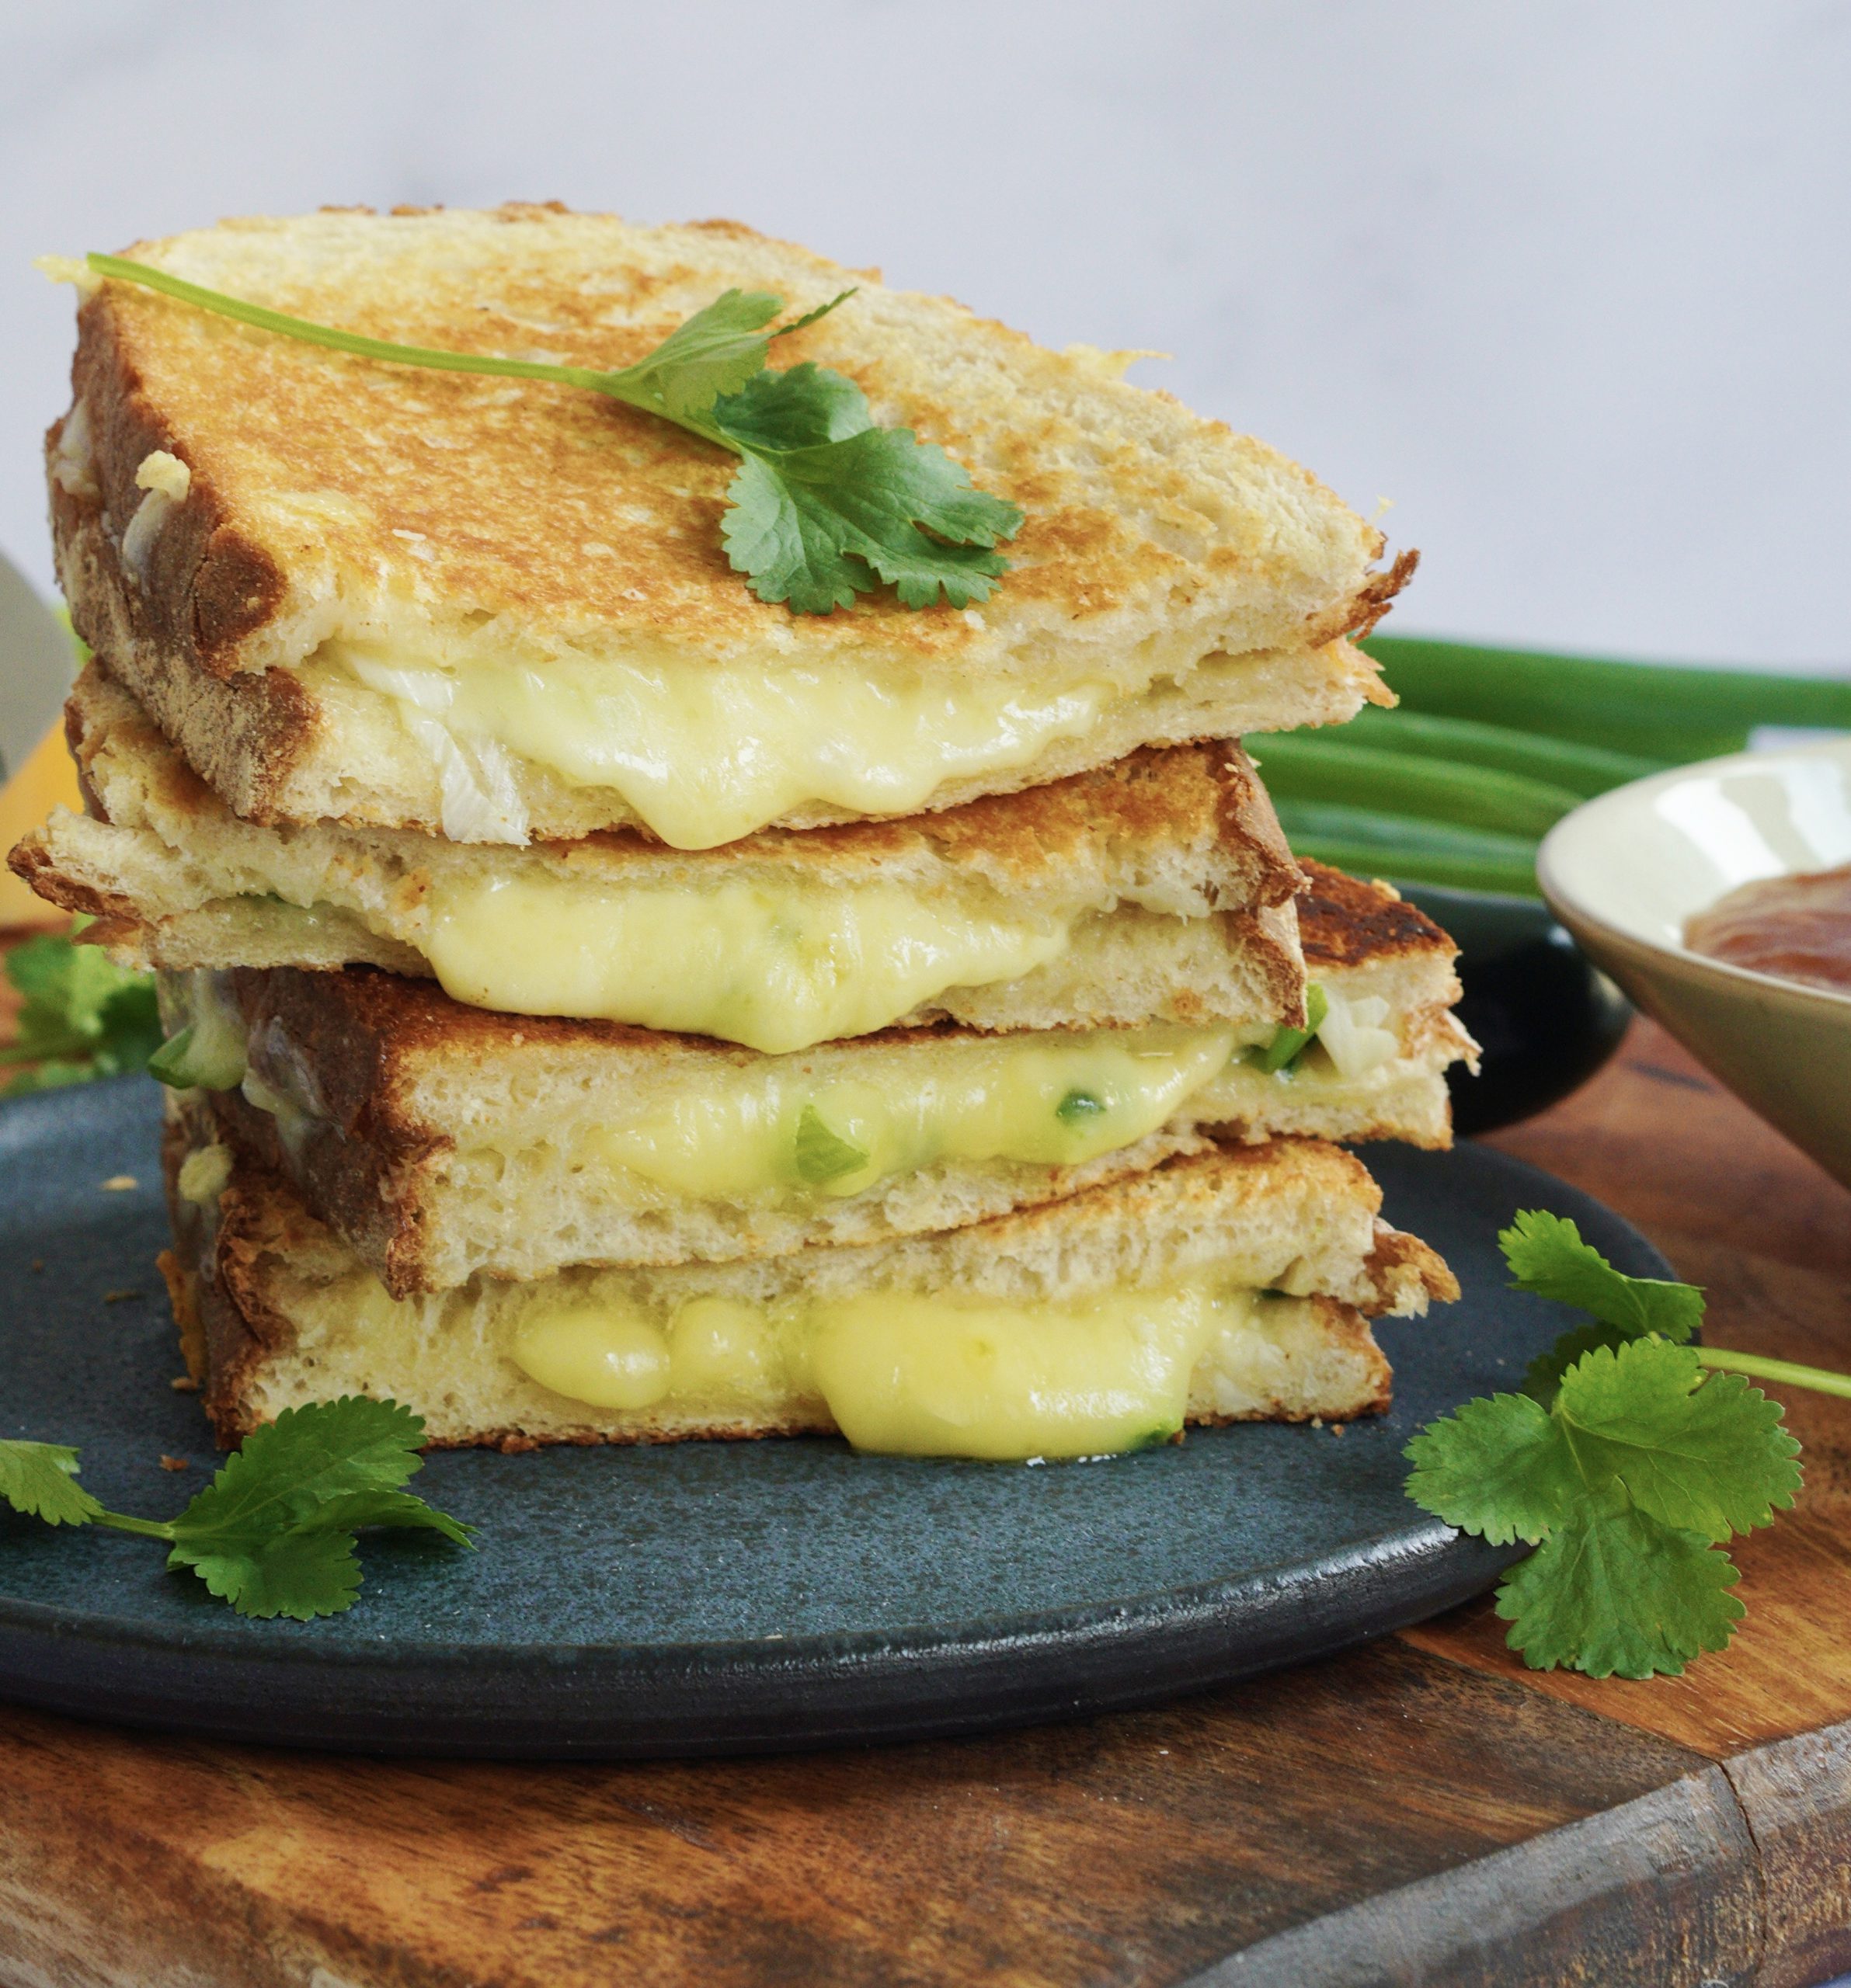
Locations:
{"points": [[1614, 1590], [275, 1532], [714, 352], [403, 1511], [82, 1015], [1627, 1463], [823, 1155], [289, 1467], [826, 505], [1547, 1255], [1498, 1468], [40, 1480], [1543, 1376], [798, 409], [808, 523], [302, 1572], [1703, 1456], [310, 1568]]}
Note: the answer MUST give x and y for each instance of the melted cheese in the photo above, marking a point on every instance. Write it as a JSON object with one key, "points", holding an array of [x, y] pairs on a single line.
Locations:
{"points": [[205, 1173], [780, 1134], [777, 969], [705, 754], [930, 1376], [904, 1372], [1352, 1036], [597, 1354]]}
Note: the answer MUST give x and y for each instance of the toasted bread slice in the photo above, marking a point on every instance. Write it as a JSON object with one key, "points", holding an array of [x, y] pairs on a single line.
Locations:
{"points": [[440, 1141], [409, 599], [1157, 888], [1231, 1284]]}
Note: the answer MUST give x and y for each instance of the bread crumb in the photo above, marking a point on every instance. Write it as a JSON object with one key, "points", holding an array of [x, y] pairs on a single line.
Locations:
{"points": [[1338, 1428], [1317, 1422], [120, 1184], [174, 1463], [184, 1384], [118, 1297]]}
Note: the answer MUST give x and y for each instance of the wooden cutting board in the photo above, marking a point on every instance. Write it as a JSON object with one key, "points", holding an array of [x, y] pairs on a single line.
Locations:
{"points": [[1422, 1810]]}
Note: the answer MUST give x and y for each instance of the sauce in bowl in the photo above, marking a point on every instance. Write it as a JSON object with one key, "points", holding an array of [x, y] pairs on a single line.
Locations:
{"points": [[1795, 928]]}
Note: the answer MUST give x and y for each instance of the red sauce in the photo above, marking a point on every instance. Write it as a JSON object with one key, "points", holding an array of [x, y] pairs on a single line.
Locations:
{"points": [[1796, 928]]}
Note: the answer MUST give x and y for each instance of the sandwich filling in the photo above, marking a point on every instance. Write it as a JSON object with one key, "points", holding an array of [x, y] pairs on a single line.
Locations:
{"points": [[1152, 891], [897, 1371], [780, 1133], [775, 966], [912, 1373], [708, 753]]}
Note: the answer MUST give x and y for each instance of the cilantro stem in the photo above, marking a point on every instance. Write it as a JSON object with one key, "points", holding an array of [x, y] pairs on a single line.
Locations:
{"points": [[1822, 1380], [354, 342], [613, 386], [148, 1529], [828, 504]]}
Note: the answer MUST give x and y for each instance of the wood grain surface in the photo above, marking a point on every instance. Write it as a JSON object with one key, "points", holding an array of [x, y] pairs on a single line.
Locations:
{"points": [[1425, 1810]]}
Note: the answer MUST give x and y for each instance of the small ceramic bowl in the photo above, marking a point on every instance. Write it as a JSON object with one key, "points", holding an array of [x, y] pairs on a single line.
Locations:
{"points": [[1625, 871]]}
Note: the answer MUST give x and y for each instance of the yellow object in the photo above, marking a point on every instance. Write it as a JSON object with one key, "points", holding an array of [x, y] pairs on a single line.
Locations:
{"points": [[609, 1358], [776, 1132], [775, 968], [929, 1376], [47, 780], [907, 1373], [707, 754]]}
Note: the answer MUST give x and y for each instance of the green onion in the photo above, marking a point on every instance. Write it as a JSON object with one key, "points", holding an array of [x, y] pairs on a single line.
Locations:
{"points": [[1288, 1044], [1672, 712], [1301, 766], [1371, 844], [822, 1155], [1585, 770]]}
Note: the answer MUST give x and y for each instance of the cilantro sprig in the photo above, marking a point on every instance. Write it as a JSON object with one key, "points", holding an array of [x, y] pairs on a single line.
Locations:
{"points": [[826, 504], [82, 1015], [275, 1532], [1629, 1460]]}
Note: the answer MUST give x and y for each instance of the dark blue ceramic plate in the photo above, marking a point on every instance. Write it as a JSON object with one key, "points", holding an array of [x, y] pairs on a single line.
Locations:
{"points": [[713, 1598]]}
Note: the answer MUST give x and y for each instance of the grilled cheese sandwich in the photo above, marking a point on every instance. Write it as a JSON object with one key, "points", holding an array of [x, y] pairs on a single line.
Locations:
{"points": [[1235, 1283], [1157, 888], [499, 610], [441, 1141]]}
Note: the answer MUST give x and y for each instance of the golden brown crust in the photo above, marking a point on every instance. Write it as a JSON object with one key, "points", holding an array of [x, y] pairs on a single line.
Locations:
{"points": [[227, 1329], [206, 586], [572, 509], [259, 723], [1400, 1263], [1343, 921]]}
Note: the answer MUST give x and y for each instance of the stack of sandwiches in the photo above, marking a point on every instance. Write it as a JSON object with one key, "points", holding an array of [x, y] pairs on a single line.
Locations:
{"points": [[603, 1007]]}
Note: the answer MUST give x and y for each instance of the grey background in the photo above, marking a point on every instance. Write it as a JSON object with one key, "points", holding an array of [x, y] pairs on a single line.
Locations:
{"points": [[1568, 283]]}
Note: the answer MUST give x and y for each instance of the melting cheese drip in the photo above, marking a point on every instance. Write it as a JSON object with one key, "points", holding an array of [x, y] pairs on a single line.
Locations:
{"points": [[904, 1372], [705, 754], [776, 969], [780, 1133]]}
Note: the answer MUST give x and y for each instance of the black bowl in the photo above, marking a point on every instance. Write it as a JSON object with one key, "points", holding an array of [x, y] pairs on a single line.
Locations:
{"points": [[1545, 1015]]}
